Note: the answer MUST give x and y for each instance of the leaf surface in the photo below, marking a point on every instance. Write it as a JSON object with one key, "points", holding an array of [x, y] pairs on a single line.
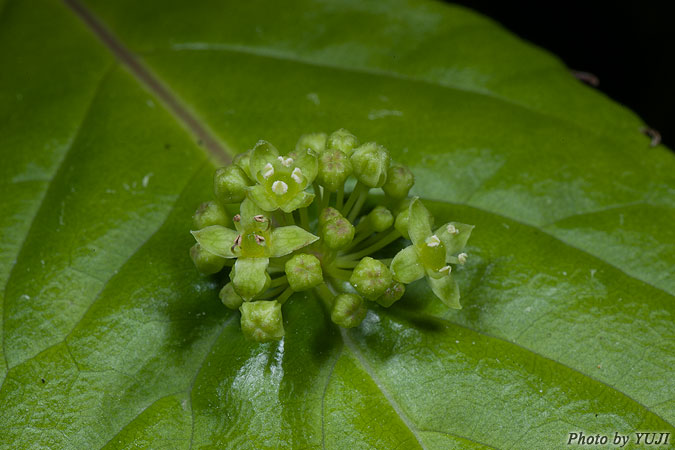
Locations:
{"points": [[111, 339]]}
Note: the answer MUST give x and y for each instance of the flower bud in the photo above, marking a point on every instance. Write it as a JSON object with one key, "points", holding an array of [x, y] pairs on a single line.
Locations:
{"points": [[205, 261], [229, 297], [391, 295], [334, 168], [371, 163], [380, 218], [348, 310], [327, 215], [371, 278], [209, 213], [401, 223], [250, 277], [313, 141], [303, 271], [342, 140], [337, 233], [261, 321], [230, 183], [243, 160], [399, 181]]}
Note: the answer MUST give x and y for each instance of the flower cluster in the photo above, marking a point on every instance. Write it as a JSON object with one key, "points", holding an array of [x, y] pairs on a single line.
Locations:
{"points": [[297, 227]]}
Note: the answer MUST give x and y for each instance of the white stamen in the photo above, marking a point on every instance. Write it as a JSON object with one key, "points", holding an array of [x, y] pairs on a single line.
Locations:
{"points": [[279, 187], [268, 171], [462, 258], [297, 175], [285, 162], [445, 269], [433, 241], [452, 229]]}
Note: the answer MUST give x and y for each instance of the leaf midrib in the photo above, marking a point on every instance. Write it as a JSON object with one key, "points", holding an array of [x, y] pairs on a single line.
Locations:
{"points": [[217, 149]]}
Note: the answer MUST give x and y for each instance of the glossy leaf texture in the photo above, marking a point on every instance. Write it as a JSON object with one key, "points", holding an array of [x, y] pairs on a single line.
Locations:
{"points": [[110, 338]]}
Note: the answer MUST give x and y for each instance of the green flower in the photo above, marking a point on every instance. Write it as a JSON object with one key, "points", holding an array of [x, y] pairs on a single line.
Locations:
{"points": [[253, 243], [262, 321], [331, 240], [281, 180], [431, 254]]}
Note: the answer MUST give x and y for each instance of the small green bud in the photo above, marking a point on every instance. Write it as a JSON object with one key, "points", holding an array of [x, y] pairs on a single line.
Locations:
{"points": [[337, 233], [343, 140], [262, 321], [243, 161], [327, 215], [348, 310], [380, 218], [250, 277], [229, 297], [399, 181], [401, 223], [205, 261], [371, 163], [391, 295], [313, 141], [303, 271], [209, 213], [230, 183], [371, 278], [334, 168]]}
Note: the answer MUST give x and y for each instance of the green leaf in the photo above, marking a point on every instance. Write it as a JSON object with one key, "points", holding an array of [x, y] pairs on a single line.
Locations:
{"points": [[111, 338], [217, 239], [285, 240]]}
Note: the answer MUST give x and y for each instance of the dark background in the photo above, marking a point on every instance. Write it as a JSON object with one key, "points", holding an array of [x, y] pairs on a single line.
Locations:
{"points": [[630, 47]]}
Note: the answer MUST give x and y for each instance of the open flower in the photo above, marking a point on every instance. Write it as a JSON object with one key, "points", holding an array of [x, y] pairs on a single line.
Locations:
{"points": [[253, 243], [431, 254], [281, 180]]}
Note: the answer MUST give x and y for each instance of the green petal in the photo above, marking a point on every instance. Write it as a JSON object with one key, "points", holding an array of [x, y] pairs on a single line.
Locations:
{"points": [[406, 266], [285, 240], [308, 163], [314, 141], [419, 223], [216, 239], [262, 153], [250, 276], [454, 242], [258, 195], [247, 211], [301, 200], [446, 289]]}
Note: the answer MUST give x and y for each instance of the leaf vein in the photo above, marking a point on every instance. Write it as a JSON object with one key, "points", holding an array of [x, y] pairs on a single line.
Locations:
{"points": [[397, 408], [275, 54], [544, 357], [59, 167]]}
